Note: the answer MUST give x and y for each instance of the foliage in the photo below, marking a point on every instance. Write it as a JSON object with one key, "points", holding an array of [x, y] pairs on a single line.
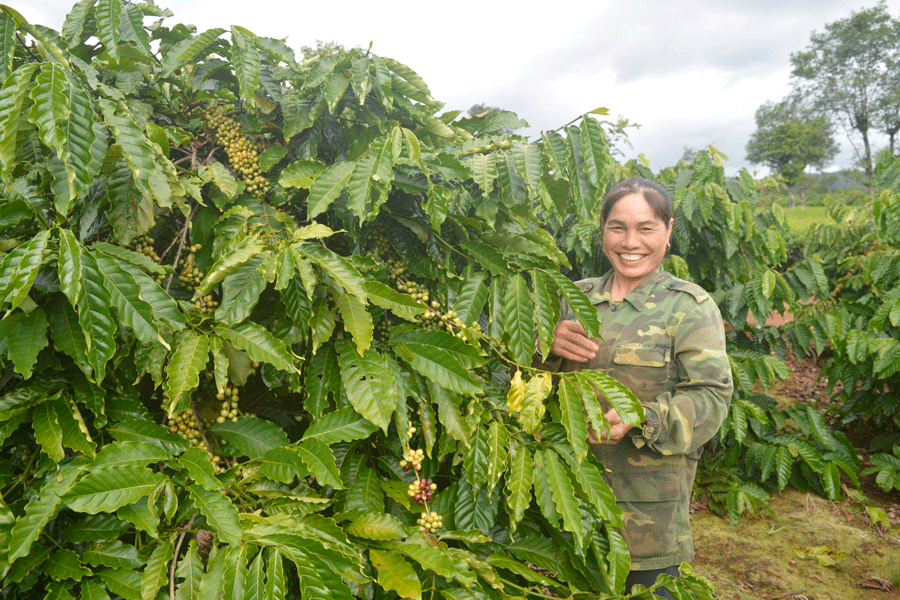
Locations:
{"points": [[886, 469], [858, 321], [788, 140], [254, 309], [849, 71]]}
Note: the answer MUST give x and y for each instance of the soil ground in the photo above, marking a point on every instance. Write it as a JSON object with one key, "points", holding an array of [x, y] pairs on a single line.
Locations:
{"points": [[806, 547]]}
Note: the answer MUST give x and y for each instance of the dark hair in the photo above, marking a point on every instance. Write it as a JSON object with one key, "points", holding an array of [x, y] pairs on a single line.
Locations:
{"points": [[655, 195]]}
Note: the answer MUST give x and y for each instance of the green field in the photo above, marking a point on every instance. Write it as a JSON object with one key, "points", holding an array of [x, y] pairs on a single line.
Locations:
{"points": [[800, 219]]}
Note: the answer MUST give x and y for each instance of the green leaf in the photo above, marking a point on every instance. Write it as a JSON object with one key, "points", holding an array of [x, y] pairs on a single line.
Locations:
{"points": [[546, 310], [148, 431], [106, 490], [19, 269], [228, 263], [283, 464], [199, 466], [438, 366], [533, 409], [183, 371], [320, 460], [301, 173], [13, 113], [364, 493], [342, 425], [276, 584], [64, 564], [8, 45], [156, 574], [496, 457], [50, 105], [518, 314], [449, 413], [376, 526], [253, 437], [401, 305], [125, 292], [146, 172], [584, 311], [337, 267], [39, 511], [357, 321], [25, 335], [327, 187], [241, 290], [519, 481], [188, 50], [573, 419], [371, 178], [115, 554], [259, 344], [140, 515], [563, 493], [369, 383], [622, 399], [47, 431], [220, 513], [93, 307], [245, 58], [395, 574]]}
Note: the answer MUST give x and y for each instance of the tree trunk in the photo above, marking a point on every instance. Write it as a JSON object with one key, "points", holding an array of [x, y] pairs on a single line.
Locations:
{"points": [[791, 196]]}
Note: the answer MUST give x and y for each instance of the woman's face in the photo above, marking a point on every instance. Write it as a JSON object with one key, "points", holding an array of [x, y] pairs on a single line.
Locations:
{"points": [[634, 239]]}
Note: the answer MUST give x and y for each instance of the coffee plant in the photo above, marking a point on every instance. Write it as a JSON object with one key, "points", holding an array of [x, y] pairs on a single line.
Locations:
{"points": [[268, 328]]}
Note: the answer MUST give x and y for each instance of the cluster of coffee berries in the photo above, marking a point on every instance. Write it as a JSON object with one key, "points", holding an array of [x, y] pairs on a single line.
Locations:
{"points": [[186, 425], [434, 319], [206, 304], [422, 490], [229, 398], [144, 245], [430, 522], [413, 460], [189, 275], [243, 153]]}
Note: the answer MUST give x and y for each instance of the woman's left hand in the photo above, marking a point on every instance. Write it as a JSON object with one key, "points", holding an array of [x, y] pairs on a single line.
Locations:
{"points": [[617, 430]]}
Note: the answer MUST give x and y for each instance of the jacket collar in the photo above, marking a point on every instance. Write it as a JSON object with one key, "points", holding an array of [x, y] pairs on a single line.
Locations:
{"points": [[637, 297]]}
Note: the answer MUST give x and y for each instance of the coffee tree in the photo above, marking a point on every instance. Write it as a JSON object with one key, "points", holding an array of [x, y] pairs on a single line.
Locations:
{"points": [[268, 328]]}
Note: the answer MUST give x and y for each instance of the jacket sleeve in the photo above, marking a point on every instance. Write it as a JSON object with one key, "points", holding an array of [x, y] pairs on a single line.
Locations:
{"points": [[680, 422]]}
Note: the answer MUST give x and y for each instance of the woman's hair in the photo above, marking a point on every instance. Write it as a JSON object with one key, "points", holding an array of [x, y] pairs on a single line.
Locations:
{"points": [[655, 195]]}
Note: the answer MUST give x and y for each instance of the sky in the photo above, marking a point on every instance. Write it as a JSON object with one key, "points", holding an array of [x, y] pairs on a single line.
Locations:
{"points": [[690, 73]]}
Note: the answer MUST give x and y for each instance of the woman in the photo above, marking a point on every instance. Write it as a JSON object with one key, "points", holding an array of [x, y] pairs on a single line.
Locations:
{"points": [[663, 338]]}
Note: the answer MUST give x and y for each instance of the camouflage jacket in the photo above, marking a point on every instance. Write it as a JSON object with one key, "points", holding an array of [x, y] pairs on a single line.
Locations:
{"points": [[665, 341]]}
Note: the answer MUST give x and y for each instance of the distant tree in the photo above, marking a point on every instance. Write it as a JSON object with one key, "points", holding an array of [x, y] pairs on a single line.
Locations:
{"points": [[688, 155], [849, 70], [788, 139]]}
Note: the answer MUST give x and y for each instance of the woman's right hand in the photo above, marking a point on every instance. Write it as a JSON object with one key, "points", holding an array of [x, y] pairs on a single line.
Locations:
{"points": [[571, 342]]}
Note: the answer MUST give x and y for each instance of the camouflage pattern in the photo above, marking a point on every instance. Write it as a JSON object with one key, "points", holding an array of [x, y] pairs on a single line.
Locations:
{"points": [[666, 343]]}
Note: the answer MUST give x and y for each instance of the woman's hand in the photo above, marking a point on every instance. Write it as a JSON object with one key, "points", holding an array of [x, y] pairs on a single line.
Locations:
{"points": [[617, 430], [570, 341]]}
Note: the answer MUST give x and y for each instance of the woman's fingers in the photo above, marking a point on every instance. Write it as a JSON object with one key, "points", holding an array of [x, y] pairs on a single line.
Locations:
{"points": [[570, 341]]}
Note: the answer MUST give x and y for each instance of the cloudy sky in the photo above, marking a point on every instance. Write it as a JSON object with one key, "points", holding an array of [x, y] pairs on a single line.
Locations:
{"points": [[690, 73]]}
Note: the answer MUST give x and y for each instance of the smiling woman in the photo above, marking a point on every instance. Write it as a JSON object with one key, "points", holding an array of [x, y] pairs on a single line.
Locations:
{"points": [[662, 338]]}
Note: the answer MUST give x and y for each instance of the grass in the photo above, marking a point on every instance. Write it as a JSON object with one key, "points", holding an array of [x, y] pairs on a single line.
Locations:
{"points": [[801, 219]]}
